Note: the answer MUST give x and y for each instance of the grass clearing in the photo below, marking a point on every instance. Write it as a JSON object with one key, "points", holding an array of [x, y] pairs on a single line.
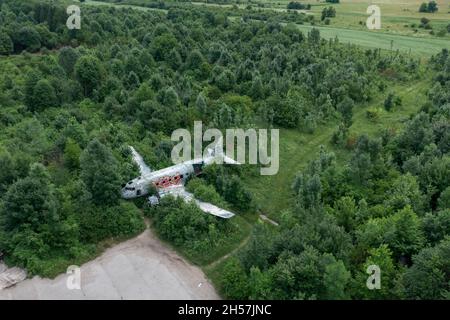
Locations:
{"points": [[372, 39], [273, 193], [395, 13], [396, 16]]}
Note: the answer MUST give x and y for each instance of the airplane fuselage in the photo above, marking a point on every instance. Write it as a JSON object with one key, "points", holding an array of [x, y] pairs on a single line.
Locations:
{"points": [[164, 178]]}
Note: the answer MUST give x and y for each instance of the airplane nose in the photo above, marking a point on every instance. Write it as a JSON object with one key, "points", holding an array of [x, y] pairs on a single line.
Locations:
{"points": [[125, 194]]}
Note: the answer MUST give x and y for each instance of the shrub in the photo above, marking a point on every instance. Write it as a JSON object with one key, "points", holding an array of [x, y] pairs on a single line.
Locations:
{"points": [[373, 114], [205, 192], [99, 223]]}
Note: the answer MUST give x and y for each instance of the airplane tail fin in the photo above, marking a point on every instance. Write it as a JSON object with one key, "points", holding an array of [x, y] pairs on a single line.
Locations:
{"points": [[137, 158]]}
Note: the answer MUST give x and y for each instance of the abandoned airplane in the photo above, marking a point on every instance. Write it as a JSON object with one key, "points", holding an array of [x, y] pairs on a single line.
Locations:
{"points": [[171, 181]]}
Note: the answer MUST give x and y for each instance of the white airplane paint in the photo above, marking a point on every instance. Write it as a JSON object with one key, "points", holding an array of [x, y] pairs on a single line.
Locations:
{"points": [[171, 181]]}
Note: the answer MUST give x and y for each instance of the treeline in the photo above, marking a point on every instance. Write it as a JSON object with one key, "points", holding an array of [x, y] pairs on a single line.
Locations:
{"points": [[32, 26], [294, 5], [430, 7]]}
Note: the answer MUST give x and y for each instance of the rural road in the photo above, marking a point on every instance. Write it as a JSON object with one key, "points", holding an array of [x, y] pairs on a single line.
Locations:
{"points": [[140, 268]]}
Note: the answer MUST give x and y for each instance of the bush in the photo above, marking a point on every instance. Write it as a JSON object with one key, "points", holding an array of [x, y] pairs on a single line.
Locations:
{"points": [[374, 114], [99, 223], [234, 280], [190, 229], [391, 101], [229, 186], [294, 5], [339, 137], [205, 192], [442, 33], [329, 12], [431, 7], [6, 44], [28, 39]]}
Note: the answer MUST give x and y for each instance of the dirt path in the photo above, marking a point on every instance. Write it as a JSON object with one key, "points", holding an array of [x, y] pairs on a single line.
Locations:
{"points": [[140, 268], [214, 263]]}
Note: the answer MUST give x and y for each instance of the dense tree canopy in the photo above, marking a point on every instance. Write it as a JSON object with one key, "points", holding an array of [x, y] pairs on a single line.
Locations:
{"points": [[72, 101]]}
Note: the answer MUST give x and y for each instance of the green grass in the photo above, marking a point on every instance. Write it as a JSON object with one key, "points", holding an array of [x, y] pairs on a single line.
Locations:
{"points": [[243, 228], [396, 16], [214, 273], [375, 39], [123, 6], [273, 193]]}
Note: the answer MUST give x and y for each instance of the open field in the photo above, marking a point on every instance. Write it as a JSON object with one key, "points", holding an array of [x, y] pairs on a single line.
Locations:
{"points": [[397, 15], [425, 46]]}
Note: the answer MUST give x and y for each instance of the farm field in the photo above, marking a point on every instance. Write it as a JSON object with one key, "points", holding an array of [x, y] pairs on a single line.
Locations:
{"points": [[423, 46], [397, 15]]}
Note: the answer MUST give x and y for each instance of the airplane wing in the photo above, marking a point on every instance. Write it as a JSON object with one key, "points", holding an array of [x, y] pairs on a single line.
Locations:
{"points": [[179, 191], [137, 158]]}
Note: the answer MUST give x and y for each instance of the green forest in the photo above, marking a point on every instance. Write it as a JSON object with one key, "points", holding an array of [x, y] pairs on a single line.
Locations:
{"points": [[72, 101]]}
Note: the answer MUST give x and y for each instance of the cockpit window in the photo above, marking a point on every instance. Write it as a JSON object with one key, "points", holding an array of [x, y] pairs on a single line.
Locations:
{"points": [[130, 189]]}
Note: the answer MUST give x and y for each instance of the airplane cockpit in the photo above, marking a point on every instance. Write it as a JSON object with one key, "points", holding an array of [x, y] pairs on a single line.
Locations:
{"points": [[132, 189]]}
